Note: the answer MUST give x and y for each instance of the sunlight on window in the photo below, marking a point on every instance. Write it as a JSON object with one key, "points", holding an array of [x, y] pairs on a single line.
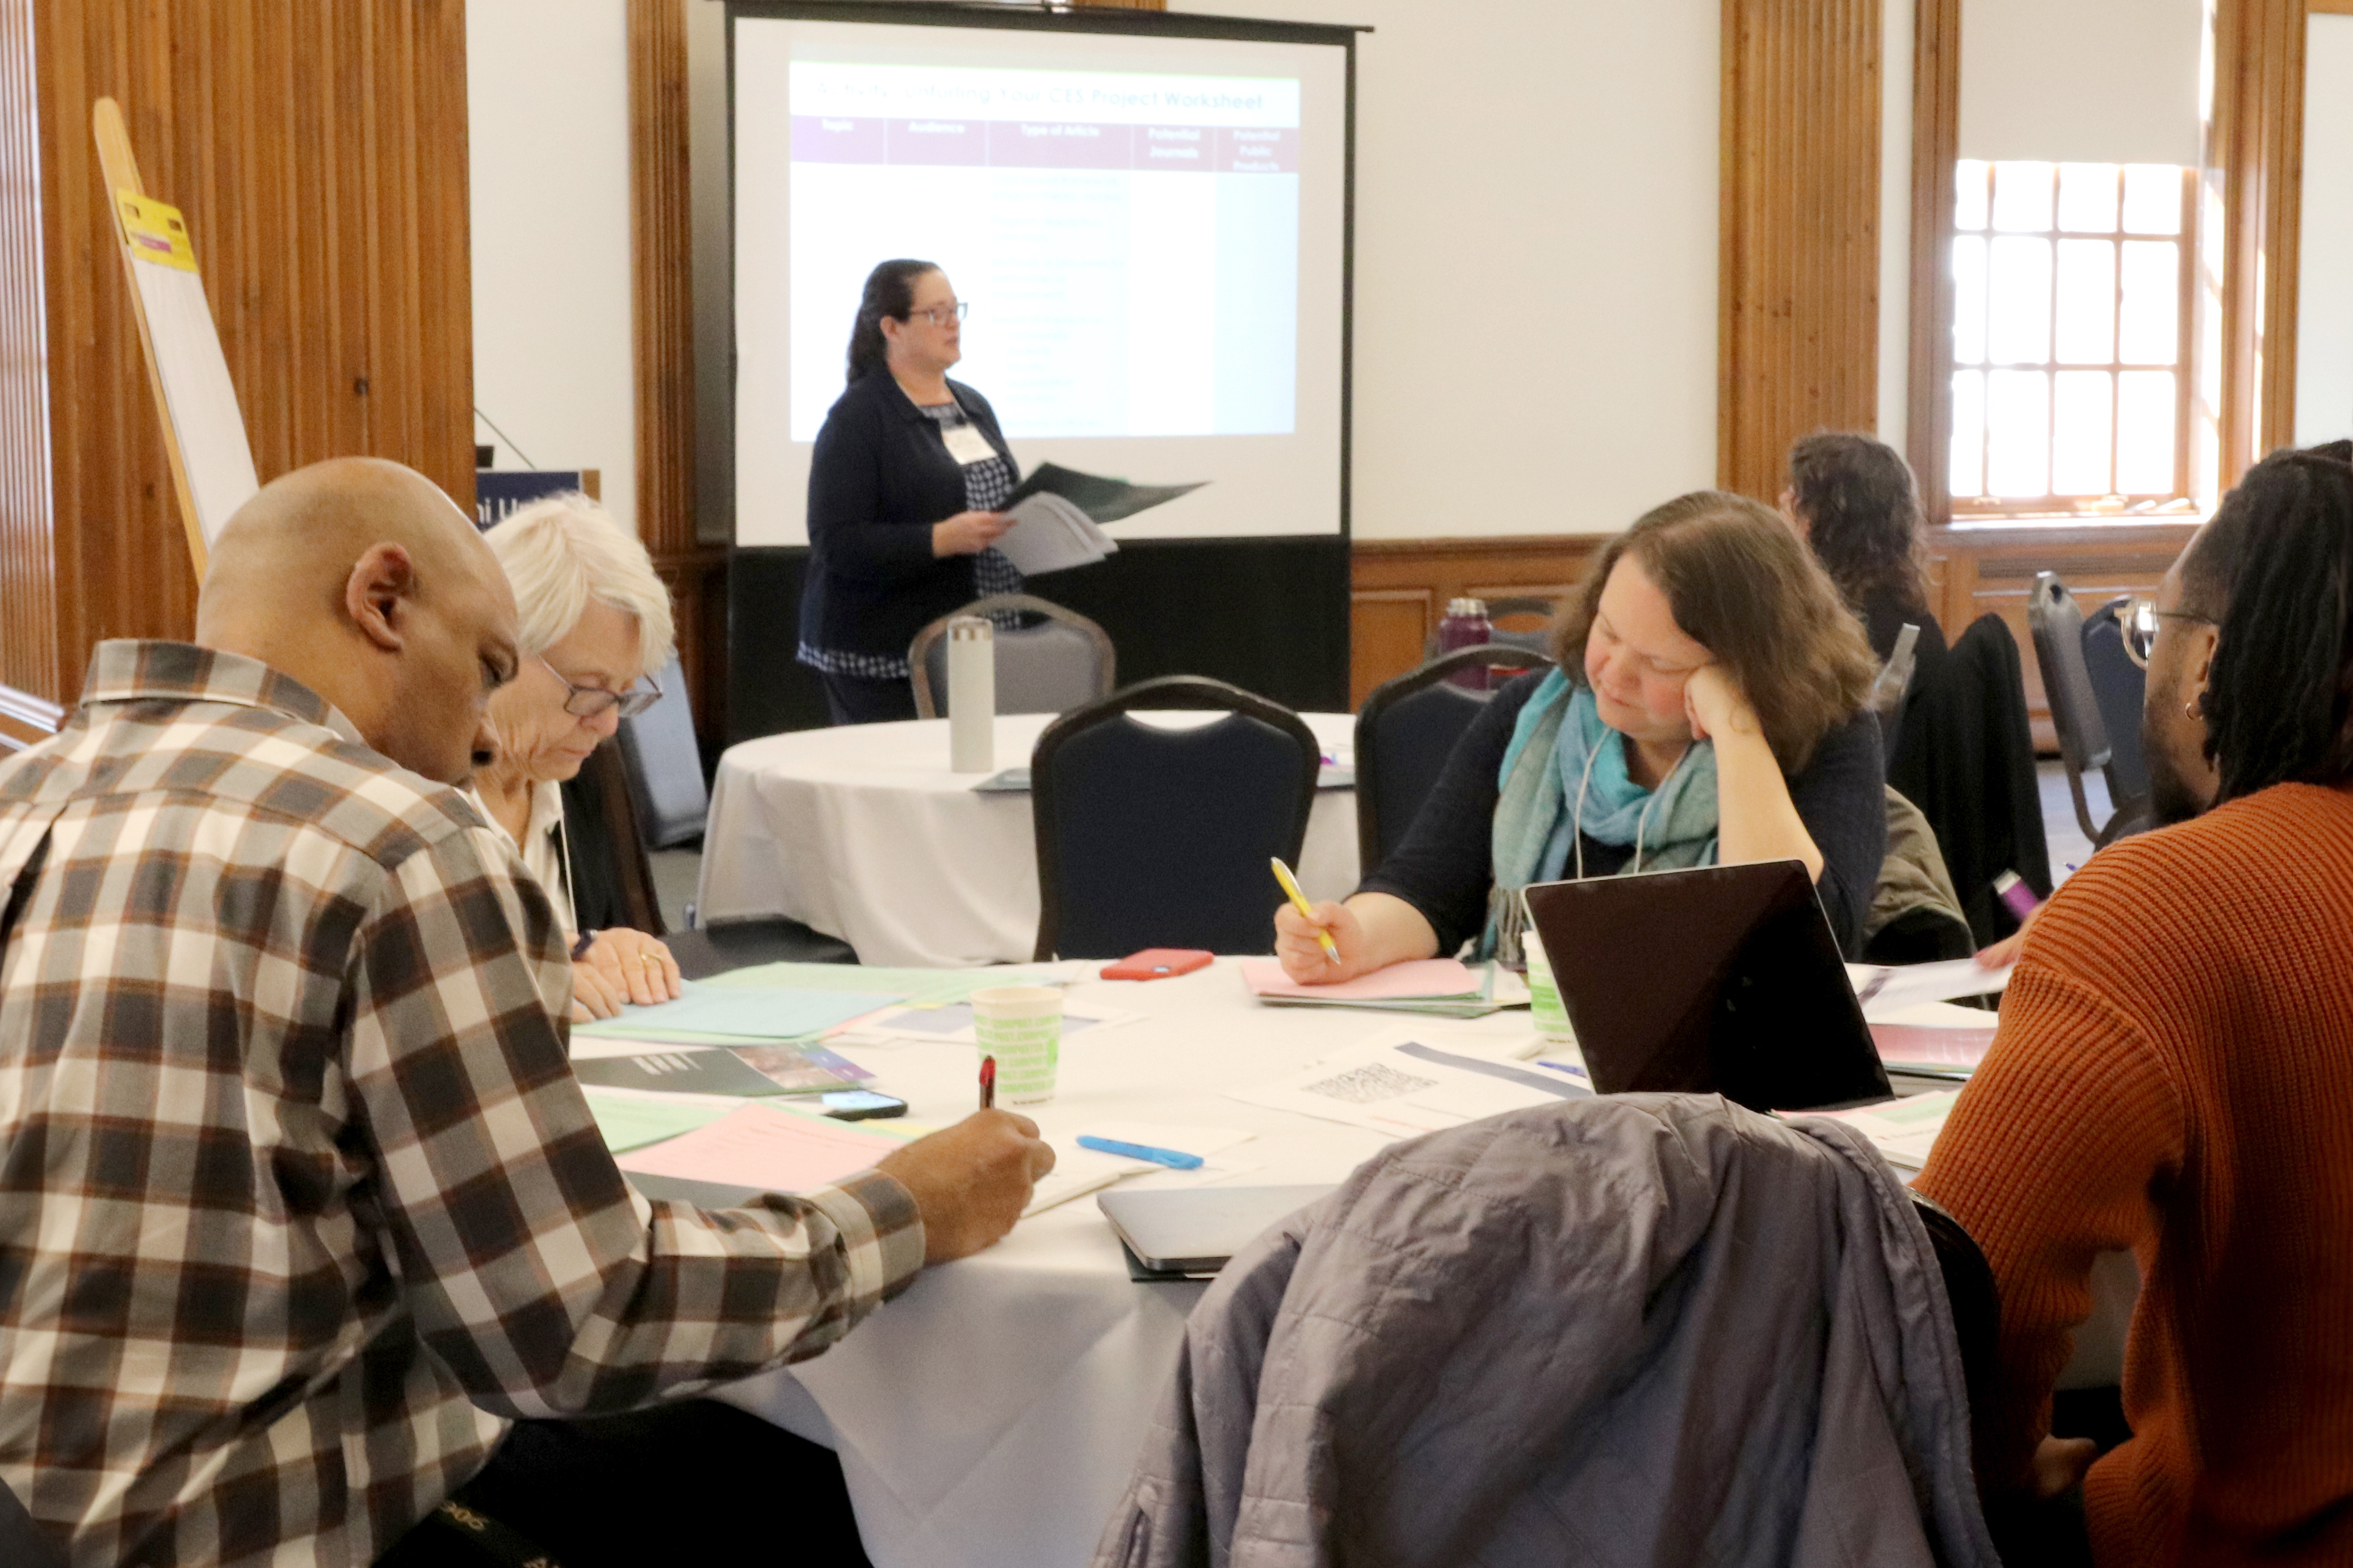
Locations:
{"points": [[2066, 334]]}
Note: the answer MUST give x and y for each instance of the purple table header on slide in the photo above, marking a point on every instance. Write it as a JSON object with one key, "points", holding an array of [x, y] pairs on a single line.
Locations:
{"points": [[1045, 145]]}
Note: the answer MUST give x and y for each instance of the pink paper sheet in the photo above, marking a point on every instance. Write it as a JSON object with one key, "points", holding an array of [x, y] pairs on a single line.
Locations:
{"points": [[1414, 977], [757, 1147], [1931, 1048]]}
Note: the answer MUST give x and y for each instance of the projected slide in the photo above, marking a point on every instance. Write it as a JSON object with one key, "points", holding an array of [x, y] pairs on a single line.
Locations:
{"points": [[1130, 243], [1150, 233]]}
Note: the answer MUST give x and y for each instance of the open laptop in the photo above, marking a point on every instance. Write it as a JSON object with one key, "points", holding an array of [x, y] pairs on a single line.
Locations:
{"points": [[1721, 979]]}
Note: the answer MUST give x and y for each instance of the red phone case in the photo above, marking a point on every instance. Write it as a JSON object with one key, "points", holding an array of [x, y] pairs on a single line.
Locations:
{"points": [[1158, 963]]}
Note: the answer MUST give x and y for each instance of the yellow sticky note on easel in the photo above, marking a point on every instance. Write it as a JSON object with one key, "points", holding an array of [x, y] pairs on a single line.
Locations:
{"points": [[154, 231]]}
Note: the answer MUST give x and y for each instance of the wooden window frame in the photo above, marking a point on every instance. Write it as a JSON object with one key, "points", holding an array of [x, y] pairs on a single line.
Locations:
{"points": [[2253, 159]]}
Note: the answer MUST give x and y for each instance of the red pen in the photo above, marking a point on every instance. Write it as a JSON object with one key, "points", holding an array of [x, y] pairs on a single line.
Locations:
{"points": [[988, 1083]]}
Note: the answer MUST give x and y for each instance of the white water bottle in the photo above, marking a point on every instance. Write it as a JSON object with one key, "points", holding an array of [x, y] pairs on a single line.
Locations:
{"points": [[971, 695]]}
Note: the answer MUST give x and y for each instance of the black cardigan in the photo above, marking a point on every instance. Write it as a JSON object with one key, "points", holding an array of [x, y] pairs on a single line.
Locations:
{"points": [[881, 477], [1445, 864]]}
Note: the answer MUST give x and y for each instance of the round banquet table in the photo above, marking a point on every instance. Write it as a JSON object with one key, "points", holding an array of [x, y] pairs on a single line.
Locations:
{"points": [[989, 1416], [862, 832]]}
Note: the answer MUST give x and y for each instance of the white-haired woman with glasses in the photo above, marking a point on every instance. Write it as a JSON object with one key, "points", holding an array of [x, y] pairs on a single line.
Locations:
{"points": [[595, 622], [907, 486]]}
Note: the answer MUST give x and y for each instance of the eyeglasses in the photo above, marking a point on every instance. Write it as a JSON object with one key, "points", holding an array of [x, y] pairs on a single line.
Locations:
{"points": [[2138, 621], [590, 701], [940, 315]]}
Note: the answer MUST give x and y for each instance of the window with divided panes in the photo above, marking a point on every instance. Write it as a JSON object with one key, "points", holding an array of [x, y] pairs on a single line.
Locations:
{"points": [[2071, 335]]}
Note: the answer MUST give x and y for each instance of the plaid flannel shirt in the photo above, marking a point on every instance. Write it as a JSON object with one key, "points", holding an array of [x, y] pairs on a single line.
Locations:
{"points": [[300, 1203]]}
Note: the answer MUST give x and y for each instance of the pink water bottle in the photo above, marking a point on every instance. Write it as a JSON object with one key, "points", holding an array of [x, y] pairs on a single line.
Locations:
{"points": [[1466, 626]]}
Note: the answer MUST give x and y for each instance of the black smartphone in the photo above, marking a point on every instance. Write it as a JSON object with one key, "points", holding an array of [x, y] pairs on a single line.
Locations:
{"points": [[861, 1105]]}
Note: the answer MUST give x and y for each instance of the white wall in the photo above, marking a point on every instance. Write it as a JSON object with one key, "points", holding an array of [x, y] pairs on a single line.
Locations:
{"points": [[1536, 259], [2323, 302], [547, 97], [2096, 81]]}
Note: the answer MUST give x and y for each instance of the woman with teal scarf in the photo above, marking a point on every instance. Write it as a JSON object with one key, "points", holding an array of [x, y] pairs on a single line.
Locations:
{"points": [[1707, 707]]}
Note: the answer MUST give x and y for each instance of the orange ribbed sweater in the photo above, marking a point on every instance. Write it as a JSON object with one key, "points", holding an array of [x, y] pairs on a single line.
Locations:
{"points": [[2174, 1074]]}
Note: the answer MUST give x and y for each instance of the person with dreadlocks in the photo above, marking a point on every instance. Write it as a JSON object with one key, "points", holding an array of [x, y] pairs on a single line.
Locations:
{"points": [[2174, 1075]]}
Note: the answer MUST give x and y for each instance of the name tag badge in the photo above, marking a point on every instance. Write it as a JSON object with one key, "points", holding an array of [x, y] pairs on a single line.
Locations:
{"points": [[966, 444]]}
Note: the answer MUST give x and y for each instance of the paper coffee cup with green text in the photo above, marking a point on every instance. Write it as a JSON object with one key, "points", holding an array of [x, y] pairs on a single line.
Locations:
{"points": [[1022, 1026]]}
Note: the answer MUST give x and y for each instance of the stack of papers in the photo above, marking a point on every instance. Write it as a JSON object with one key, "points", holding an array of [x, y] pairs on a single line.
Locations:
{"points": [[1443, 987], [1885, 990], [1902, 1129], [1398, 1084], [1914, 1021], [1056, 510]]}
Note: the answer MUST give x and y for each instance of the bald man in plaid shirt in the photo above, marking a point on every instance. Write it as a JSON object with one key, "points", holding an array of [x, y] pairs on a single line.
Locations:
{"points": [[301, 1207]]}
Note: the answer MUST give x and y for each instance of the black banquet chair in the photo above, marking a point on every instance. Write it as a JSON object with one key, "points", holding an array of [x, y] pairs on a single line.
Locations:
{"points": [[663, 764], [1405, 731], [2075, 711], [1154, 836]]}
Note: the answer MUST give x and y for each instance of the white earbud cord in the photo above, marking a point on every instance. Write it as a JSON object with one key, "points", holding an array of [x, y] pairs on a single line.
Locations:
{"points": [[1577, 817]]}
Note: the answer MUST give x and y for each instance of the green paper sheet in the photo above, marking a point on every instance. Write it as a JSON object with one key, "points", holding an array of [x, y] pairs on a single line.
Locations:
{"points": [[627, 1123]]}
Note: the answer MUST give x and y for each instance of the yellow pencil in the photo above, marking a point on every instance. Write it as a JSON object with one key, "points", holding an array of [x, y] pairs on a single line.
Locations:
{"points": [[1299, 901]]}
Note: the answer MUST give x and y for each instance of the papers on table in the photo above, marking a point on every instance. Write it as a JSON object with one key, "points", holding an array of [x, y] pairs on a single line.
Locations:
{"points": [[1884, 990], [763, 1013], [628, 1123], [1444, 987], [763, 1149], [1902, 1129], [1934, 1039], [1078, 1172], [1398, 1085], [951, 1022], [709, 1069]]}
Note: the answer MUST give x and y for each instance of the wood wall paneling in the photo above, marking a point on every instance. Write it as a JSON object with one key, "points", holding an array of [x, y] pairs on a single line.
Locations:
{"points": [[1936, 145], [2256, 152], [1398, 590], [662, 288], [1798, 252], [27, 571], [318, 152]]}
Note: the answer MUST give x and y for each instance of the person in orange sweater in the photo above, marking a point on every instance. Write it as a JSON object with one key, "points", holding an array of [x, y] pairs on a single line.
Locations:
{"points": [[2174, 1075]]}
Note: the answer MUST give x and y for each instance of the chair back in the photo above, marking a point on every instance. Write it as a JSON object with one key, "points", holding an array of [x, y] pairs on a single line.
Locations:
{"points": [[1047, 668], [1969, 764], [612, 880], [1405, 731], [23, 1544], [1151, 836], [2058, 627], [1976, 1301], [1539, 640], [2119, 686], [664, 765]]}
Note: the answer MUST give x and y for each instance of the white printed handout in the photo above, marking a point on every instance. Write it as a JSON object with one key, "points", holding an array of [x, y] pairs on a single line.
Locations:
{"points": [[1399, 1084]]}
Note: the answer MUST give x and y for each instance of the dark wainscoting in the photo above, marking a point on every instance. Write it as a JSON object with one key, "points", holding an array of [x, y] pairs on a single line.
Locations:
{"points": [[1271, 616]]}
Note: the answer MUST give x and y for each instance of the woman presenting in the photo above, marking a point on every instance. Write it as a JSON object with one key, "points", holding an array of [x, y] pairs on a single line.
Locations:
{"points": [[909, 473], [1707, 707]]}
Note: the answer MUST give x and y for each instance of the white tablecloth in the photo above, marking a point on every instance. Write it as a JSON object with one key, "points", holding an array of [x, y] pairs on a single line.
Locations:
{"points": [[862, 832], [991, 1415]]}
